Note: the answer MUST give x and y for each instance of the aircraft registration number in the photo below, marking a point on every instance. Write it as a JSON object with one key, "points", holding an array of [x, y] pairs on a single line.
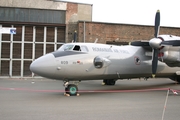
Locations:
{"points": [[64, 62]]}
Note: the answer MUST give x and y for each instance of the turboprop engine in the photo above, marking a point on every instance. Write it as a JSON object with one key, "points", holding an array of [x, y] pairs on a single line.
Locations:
{"points": [[162, 47]]}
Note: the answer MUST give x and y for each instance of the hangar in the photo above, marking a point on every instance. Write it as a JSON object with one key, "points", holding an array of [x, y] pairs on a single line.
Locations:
{"points": [[43, 25]]}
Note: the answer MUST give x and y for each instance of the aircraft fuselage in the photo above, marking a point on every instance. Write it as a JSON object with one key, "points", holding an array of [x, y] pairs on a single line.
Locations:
{"points": [[98, 61]]}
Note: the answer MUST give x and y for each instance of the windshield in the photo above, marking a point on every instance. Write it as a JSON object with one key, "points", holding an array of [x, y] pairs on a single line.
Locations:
{"points": [[71, 47], [66, 47]]}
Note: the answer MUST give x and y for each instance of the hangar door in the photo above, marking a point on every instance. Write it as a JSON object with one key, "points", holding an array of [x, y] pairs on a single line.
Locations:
{"points": [[30, 42]]}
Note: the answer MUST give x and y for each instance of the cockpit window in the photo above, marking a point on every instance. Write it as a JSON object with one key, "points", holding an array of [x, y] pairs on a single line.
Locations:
{"points": [[77, 48], [71, 47], [66, 47]]}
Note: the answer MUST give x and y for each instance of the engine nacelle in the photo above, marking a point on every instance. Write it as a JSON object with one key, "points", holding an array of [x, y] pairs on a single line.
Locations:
{"points": [[169, 54], [171, 58], [100, 62]]}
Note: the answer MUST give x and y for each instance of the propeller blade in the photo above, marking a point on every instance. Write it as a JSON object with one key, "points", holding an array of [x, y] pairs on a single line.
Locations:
{"points": [[139, 43], [154, 61], [171, 43], [157, 24]]}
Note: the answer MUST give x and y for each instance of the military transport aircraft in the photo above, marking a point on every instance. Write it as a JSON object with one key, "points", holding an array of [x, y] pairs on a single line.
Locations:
{"points": [[92, 61]]}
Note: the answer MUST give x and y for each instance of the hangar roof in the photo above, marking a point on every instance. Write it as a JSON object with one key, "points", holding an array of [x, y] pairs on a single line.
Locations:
{"points": [[70, 2]]}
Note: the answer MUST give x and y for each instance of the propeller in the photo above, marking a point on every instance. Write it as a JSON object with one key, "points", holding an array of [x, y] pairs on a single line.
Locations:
{"points": [[157, 24], [171, 43], [155, 43], [154, 61], [139, 43]]}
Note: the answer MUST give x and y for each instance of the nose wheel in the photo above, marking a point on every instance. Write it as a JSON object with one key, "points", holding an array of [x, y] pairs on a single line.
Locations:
{"points": [[71, 89]]}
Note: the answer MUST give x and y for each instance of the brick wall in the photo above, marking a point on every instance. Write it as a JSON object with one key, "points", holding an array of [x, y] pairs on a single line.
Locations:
{"points": [[119, 32]]}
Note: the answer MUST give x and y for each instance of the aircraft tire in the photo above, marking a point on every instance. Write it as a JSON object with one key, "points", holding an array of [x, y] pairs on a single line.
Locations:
{"points": [[109, 81], [71, 89], [178, 79]]}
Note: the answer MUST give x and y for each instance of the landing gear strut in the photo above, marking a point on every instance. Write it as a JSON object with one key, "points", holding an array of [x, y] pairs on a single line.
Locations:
{"points": [[177, 79], [109, 82], [70, 89]]}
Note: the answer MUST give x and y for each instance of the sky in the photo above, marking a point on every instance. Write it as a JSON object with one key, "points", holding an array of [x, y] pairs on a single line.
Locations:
{"points": [[140, 12]]}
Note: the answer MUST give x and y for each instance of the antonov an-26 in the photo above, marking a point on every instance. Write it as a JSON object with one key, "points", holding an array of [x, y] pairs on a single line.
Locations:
{"points": [[72, 62]]}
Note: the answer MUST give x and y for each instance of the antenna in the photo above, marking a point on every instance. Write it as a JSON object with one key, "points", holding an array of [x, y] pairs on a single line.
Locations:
{"points": [[96, 40]]}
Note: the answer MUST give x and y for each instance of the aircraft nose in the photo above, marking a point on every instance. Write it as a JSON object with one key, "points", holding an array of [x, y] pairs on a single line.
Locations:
{"points": [[44, 66]]}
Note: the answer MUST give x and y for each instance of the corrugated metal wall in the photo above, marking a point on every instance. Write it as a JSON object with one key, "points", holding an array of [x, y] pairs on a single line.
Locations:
{"points": [[32, 15]]}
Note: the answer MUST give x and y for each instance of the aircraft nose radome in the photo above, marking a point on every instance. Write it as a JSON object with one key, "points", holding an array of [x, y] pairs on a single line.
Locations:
{"points": [[44, 66]]}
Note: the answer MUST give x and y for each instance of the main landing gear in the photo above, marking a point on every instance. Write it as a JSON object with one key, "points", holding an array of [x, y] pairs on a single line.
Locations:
{"points": [[177, 79], [109, 82], [70, 89]]}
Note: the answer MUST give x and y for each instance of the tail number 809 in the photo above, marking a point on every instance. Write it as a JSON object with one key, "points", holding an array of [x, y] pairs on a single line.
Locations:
{"points": [[64, 62]]}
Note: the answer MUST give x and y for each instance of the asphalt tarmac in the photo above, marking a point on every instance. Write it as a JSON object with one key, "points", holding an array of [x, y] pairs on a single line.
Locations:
{"points": [[43, 99]]}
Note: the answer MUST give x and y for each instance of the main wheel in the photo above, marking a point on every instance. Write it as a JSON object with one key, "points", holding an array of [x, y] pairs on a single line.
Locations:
{"points": [[71, 89], [178, 79], [109, 81]]}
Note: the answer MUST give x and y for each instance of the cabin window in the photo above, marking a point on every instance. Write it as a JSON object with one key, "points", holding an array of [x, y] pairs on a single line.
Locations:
{"points": [[84, 49]]}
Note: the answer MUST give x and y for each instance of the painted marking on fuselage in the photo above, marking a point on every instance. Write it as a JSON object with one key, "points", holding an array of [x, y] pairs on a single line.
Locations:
{"points": [[123, 51], [116, 50], [137, 60], [97, 49], [64, 62]]}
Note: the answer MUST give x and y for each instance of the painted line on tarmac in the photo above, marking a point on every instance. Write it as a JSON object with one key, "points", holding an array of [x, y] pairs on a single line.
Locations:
{"points": [[130, 91], [29, 90], [88, 91]]}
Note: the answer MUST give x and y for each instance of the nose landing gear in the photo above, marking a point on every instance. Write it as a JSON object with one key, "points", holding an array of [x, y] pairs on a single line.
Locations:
{"points": [[70, 89]]}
